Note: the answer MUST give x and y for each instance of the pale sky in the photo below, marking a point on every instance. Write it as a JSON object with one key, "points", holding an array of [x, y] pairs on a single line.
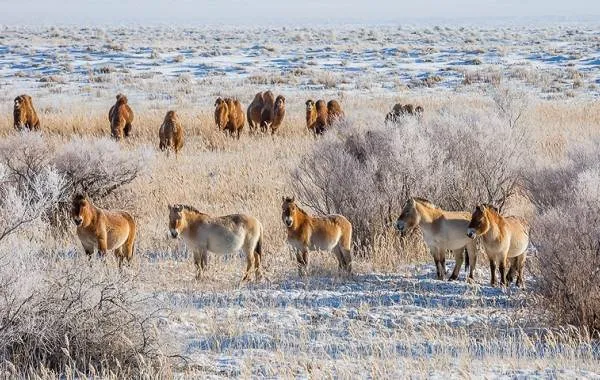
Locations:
{"points": [[286, 12]]}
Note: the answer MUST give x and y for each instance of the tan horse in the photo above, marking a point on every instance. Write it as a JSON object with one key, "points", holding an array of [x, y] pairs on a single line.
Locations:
{"points": [[220, 234], [504, 238], [442, 230], [327, 233], [103, 229]]}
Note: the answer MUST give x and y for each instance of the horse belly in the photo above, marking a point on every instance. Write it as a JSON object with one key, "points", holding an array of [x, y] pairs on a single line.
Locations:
{"points": [[324, 242], [296, 244], [518, 246], [88, 241], [116, 241], [228, 243]]}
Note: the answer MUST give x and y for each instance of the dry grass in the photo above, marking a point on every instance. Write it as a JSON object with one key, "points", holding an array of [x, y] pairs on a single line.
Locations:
{"points": [[220, 175]]}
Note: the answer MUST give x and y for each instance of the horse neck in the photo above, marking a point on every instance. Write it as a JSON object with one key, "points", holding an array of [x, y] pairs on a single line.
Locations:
{"points": [[93, 213], [495, 227], [192, 219], [302, 218], [427, 214]]}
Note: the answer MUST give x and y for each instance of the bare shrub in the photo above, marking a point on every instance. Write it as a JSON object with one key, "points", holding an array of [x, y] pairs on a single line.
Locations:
{"points": [[100, 166], [75, 319], [491, 76], [567, 238], [30, 186], [41, 179], [454, 158]]}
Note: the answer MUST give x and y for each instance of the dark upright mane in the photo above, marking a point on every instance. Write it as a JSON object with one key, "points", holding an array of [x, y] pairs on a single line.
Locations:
{"points": [[426, 202]]}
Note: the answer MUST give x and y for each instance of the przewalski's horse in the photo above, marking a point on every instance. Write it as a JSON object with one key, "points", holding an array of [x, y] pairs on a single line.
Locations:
{"points": [[103, 230], [328, 233], [504, 238], [442, 230], [218, 234]]}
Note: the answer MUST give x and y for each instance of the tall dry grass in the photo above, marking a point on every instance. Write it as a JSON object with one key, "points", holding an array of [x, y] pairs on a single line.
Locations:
{"points": [[220, 175]]}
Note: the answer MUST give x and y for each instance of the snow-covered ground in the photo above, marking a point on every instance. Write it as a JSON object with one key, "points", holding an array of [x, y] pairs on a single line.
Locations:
{"points": [[155, 63], [371, 325]]}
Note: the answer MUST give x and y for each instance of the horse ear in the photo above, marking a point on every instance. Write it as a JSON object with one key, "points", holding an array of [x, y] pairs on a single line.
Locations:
{"points": [[479, 208], [293, 199]]}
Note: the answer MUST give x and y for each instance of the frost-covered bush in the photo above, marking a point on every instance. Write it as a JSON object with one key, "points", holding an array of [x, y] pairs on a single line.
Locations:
{"points": [[38, 180], [456, 158], [30, 186], [76, 319], [566, 235]]}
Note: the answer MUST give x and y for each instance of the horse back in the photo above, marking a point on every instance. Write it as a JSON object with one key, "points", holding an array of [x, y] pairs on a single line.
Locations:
{"points": [[121, 222], [332, 227]]}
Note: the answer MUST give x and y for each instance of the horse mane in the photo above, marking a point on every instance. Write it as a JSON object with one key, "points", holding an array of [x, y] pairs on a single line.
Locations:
{"points": [[491, 207], [190, 209], [78, 197], [425, 202]]}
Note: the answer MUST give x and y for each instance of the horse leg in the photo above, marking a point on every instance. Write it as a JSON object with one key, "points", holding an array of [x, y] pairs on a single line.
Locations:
{"points": [[440, 263], [459, 258], [503, 265], [102, 245], [338, 254], [89, 251], [302, 258], [200, 258], [520, 267], [433, 252], [257, 263], [347, 255], [472, 260], [514, 264], [249, 266], [493, 272], [118, 252]]}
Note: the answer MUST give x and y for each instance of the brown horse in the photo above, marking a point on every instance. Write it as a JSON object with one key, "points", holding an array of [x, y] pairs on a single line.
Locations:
{"points": [[329, 232], [103, 229], [504, 238], [218, 234], [442, 230]]}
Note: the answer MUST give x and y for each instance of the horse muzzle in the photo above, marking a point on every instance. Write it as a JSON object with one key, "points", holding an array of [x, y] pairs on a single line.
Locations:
{"points": [[174, 234], [78, 221], [471, 233], [400, 225], [288, 222]]}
